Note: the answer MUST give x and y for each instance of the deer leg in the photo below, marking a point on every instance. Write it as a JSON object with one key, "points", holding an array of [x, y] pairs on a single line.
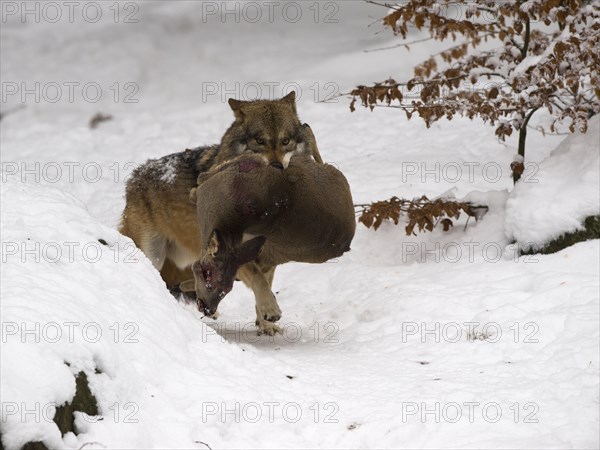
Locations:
{"points": [[317, 156], [314, 148], [188, 286], [267, 309]]}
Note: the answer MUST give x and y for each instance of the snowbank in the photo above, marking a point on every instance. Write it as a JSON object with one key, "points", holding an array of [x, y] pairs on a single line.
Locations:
{"points": [[103, 309], [558, 196]]}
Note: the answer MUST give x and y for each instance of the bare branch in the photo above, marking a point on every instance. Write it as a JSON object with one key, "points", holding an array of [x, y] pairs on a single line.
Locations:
{"points": [[399, 45]]}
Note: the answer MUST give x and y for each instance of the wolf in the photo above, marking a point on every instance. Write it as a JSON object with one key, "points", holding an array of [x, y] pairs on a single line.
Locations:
{"points": [[162, 221], [270, 128]]}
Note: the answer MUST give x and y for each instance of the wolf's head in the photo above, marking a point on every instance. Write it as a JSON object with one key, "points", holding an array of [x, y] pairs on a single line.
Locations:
{"points": [[216, 272], [270, 128]]}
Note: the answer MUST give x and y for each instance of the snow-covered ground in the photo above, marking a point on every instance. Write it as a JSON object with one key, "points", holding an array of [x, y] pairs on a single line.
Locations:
{"points": [[443, 340], [569, 192]]}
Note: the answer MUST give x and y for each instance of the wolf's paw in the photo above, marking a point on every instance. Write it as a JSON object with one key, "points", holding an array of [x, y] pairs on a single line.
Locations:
{"points": [[271, 312], [268, 328]]}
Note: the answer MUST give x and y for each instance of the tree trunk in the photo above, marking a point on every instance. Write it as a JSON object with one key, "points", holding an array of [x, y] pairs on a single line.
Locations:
{"points": [[523, 129], [522, 139], [521, 152]]}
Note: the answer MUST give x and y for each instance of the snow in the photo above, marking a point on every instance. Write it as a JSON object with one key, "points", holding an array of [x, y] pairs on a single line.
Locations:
{"points": [[382, 347], [559, 194], [167, 168]]}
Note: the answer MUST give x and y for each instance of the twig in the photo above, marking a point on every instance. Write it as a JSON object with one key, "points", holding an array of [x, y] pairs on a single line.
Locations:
{"points": [[466, 223], [385, 5], [10, 111], [541, 129], [399, 45], [91, 443], [99, 118]]}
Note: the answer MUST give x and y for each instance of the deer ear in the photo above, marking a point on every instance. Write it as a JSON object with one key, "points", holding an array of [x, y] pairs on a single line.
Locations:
{"points": [[250, 249], [215, 243], [236, 107]]}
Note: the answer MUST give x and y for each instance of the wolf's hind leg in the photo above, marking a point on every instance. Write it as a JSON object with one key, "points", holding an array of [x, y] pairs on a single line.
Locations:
{"points": [[155, 248]]}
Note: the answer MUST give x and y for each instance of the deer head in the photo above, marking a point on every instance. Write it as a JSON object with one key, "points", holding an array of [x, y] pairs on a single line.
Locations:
{"points": [[215, 273]]}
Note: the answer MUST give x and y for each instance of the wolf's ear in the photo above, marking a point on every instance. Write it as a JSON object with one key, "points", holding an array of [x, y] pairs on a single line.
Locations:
{"points": [[236, 107], [250, 249], [215, 243], [291, 100]]}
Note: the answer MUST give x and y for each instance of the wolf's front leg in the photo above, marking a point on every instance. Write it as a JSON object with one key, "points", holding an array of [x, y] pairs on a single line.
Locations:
{"points": [[267, 309], [266, 327]]}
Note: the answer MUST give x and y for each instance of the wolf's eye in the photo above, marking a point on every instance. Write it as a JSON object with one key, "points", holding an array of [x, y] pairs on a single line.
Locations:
{"points": [[286, 141], [260, 141]]}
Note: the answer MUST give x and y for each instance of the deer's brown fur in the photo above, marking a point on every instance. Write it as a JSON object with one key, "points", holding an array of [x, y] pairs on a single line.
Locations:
{"points": [[303, 213]]}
